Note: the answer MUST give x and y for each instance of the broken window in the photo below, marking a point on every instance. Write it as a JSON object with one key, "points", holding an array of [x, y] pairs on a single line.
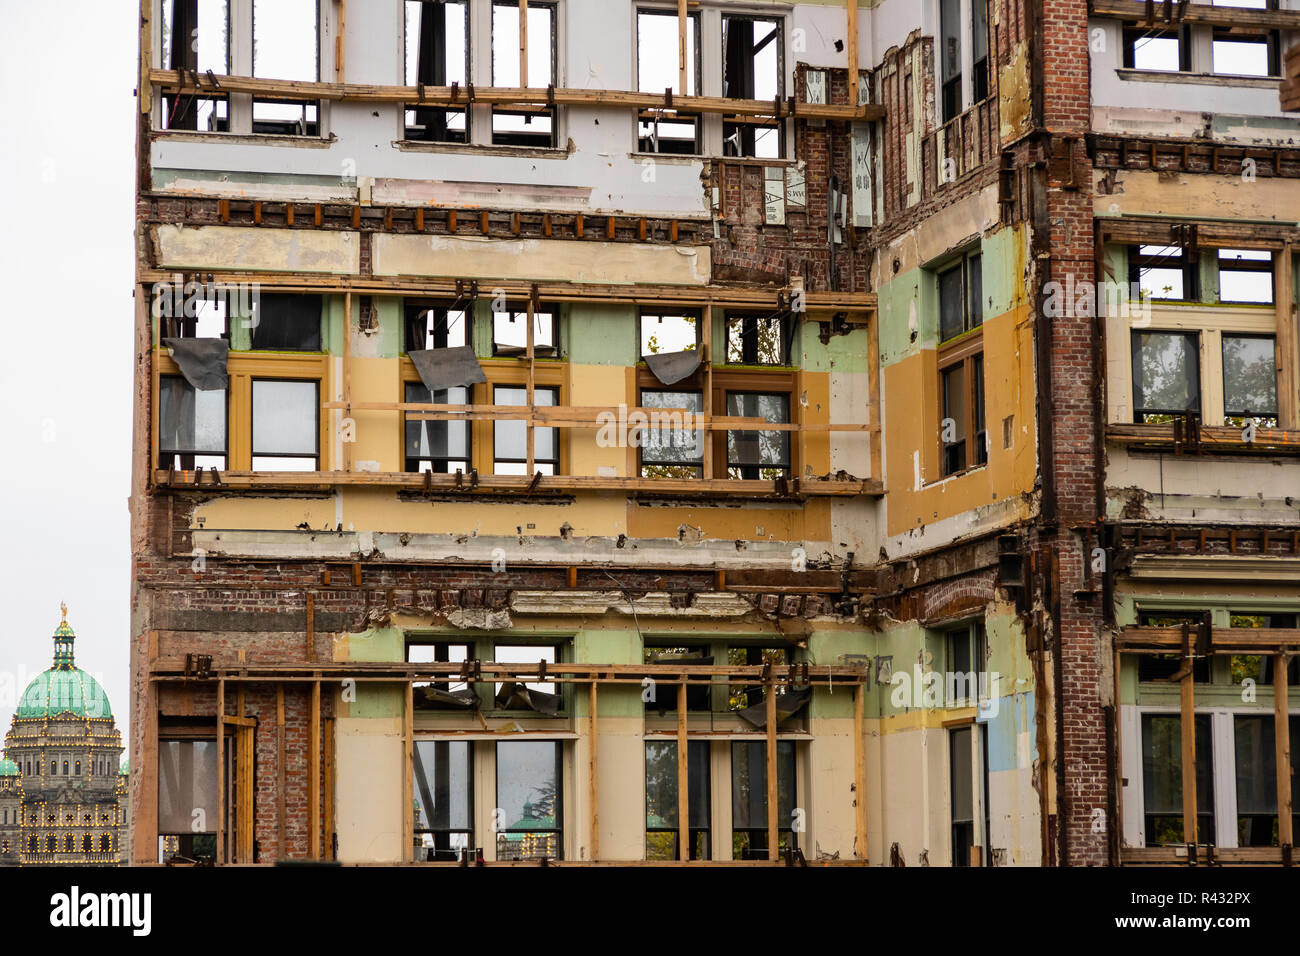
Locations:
{"points": [[437, 45], [663, 699], [659, 130], [950, 53], [286, 46], [1163, 272], [1162, 780], [1245, 276], [191, 425], [961, 297], [749, 836], [1157, 49], [442, 447], [439, 652], [668, 448], [510, 333], [529, 798], [1259, 667], [661, 799], [444, 798], [1249, 380], [1160, 667], [196, 38], [521, 124], [510, 436], [1244, 55], [527, 654], [742, 696], [758, 339], [428, 325], [758, 454], [286, 322], [201, 316], [1256, 758], [663, 333], [286, 425], [753, 68], [1166, 375], [188, 797]]}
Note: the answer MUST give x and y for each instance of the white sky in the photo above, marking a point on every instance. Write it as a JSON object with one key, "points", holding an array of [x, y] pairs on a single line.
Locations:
{"points": [[67, 157]]}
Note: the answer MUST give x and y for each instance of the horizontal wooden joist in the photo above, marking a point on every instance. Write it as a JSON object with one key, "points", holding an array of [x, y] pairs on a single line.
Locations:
{"points": [[630, 294], [1157, 12], [794, 488], [1192, 540], [1216, 439], [1223, 235], [1223, 640], [1183, 155], [172, 81]]}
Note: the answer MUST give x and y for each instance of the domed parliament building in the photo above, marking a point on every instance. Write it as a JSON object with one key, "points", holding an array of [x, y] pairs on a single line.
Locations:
{"points": [[63, 793]]}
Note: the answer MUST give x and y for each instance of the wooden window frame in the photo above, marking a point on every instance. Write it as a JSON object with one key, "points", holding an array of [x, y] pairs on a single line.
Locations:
{"points": [[963, 351]]}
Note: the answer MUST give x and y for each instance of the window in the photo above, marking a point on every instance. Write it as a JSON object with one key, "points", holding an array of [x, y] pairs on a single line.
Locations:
{"points": [[753, 68], [444, 798], [950, 54], [667, 131], [196, 37], [1256, 759], [530, 798], [763, 455], [1259, 667], [1160, 667], [961, 777], [510, 334], [1244, 55], [979, 29], [187, 795], [668, 448], [286, 46], [78, 768], [1155, 49], [428, 325], [210, 318], [1249, 380], [522, 125], [87, 844], [1246, 275], [741, 696], [758, 339], [437, 45], [698, 696], [286, 322], [1162, 779], [510, 438], [442, 447], [528, 654], [961, 297], [749, 837], [1164, 272], [191, 426], [661, 799], [662, 332], [1166, 375], [963, 434], [438, 653], [966, 661], [105, 844], [286, 426]]}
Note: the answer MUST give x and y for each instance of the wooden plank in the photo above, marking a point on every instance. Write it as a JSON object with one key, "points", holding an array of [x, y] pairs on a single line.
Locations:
{"points": [[530, 386], [683, 779], [593, 770], [1223, 16], [245, 741], [860, 766], [347, 375], [1187, 724], [1282, 741], [280, 774], [706, 343], [769, 701], [523, 42], [340, 43], [1288, 342], [313, 775], [851, 11], [682, 53], [221, 770], [408, 775]]}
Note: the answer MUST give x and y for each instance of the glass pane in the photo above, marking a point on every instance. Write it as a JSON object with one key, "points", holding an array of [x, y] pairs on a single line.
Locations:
{"points": [[528, 797], [749, 784], [951, 304], [657, 59], [191, 421], [287, 322], [1162, 780], [437, 439], [665, 440], [187, 786], [1166, 376], [975, 291], [284, 418], [1249, 376], [284, 39], [510, 437], [950, 45], [755, 447], [963, 791], [442, 782]]}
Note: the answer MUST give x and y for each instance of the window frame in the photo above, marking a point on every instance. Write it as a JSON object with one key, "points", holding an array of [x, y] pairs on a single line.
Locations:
{"points": [[504, 137], [443, 837], [655, 116], [559, 829], [784, 827], [316, 422], [703, 436], [556, 433], [739, 125], [187, 459], [446, 113], [967, 353], [1193, 377], [700, 835], [749, 339], [437, 465], [752, 472]]}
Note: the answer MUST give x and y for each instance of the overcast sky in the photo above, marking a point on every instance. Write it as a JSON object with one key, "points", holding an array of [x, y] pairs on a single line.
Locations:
{"points": [[67, 155]]}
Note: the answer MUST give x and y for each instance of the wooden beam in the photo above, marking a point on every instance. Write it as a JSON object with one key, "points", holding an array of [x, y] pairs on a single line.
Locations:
{"points": [[221, 770], [1187, 724], [408, 775], [340, 42], [860, 769], [523, 43], [280, 774], [682, 74], [145, 96], [313, 776], [1282, 739], [1288, 341], [769, 702], [683, 779], [851, 10], [706, 340], [594, 744], [1221, 16], [530, 385], [347, 375]]}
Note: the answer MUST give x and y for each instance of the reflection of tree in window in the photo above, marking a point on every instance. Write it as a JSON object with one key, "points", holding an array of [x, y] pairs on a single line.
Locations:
{"points": [[1256, 759], [667, 449], [757, 339], [761, 455], [1162, 779], [1166, 375], [749, 837], [662, 799], [1249, 380]]}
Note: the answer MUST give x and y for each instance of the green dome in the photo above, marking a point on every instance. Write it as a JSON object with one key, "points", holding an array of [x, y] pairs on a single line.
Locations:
{"points": [[8, 768], [64, 688]]}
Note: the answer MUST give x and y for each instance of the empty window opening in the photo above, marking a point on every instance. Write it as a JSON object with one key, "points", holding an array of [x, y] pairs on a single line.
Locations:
{"points": [[530, 797], [758, 339], [661, 799], [1249, 380], [286, 322], [439, 652], [444, 798], [1244, 55], [191, 425], [442, 447], [761, 455], [286, 425], [187, 782], [742, 696], [658, 69], [510, 436], [1160, 667], [196, 38], [1246, 275], [698, 696], [527, 654], [1163, 272], [429, 325], [437, 44], [753, 68], [749, 835], [1259, 667], [286, 46], [961, 773], [510, 334], [668, 448], [663, 333], [202, 316], [523, 125], [1166, 376], [1161, 50]]}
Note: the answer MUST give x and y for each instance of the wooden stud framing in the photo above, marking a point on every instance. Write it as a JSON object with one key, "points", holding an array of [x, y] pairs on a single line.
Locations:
{"points": [[682, 52], [769, 702], [221, 770], [1288, 341], [331, 779], [313, 775], [347, 375], [408, 774], [683, 779], [340, 42], [1187, 724], [1282, 741], [851, 14], [311, 626], [523, 43], [594, 745], [530, 398], [860, 768], [706, 340]]}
